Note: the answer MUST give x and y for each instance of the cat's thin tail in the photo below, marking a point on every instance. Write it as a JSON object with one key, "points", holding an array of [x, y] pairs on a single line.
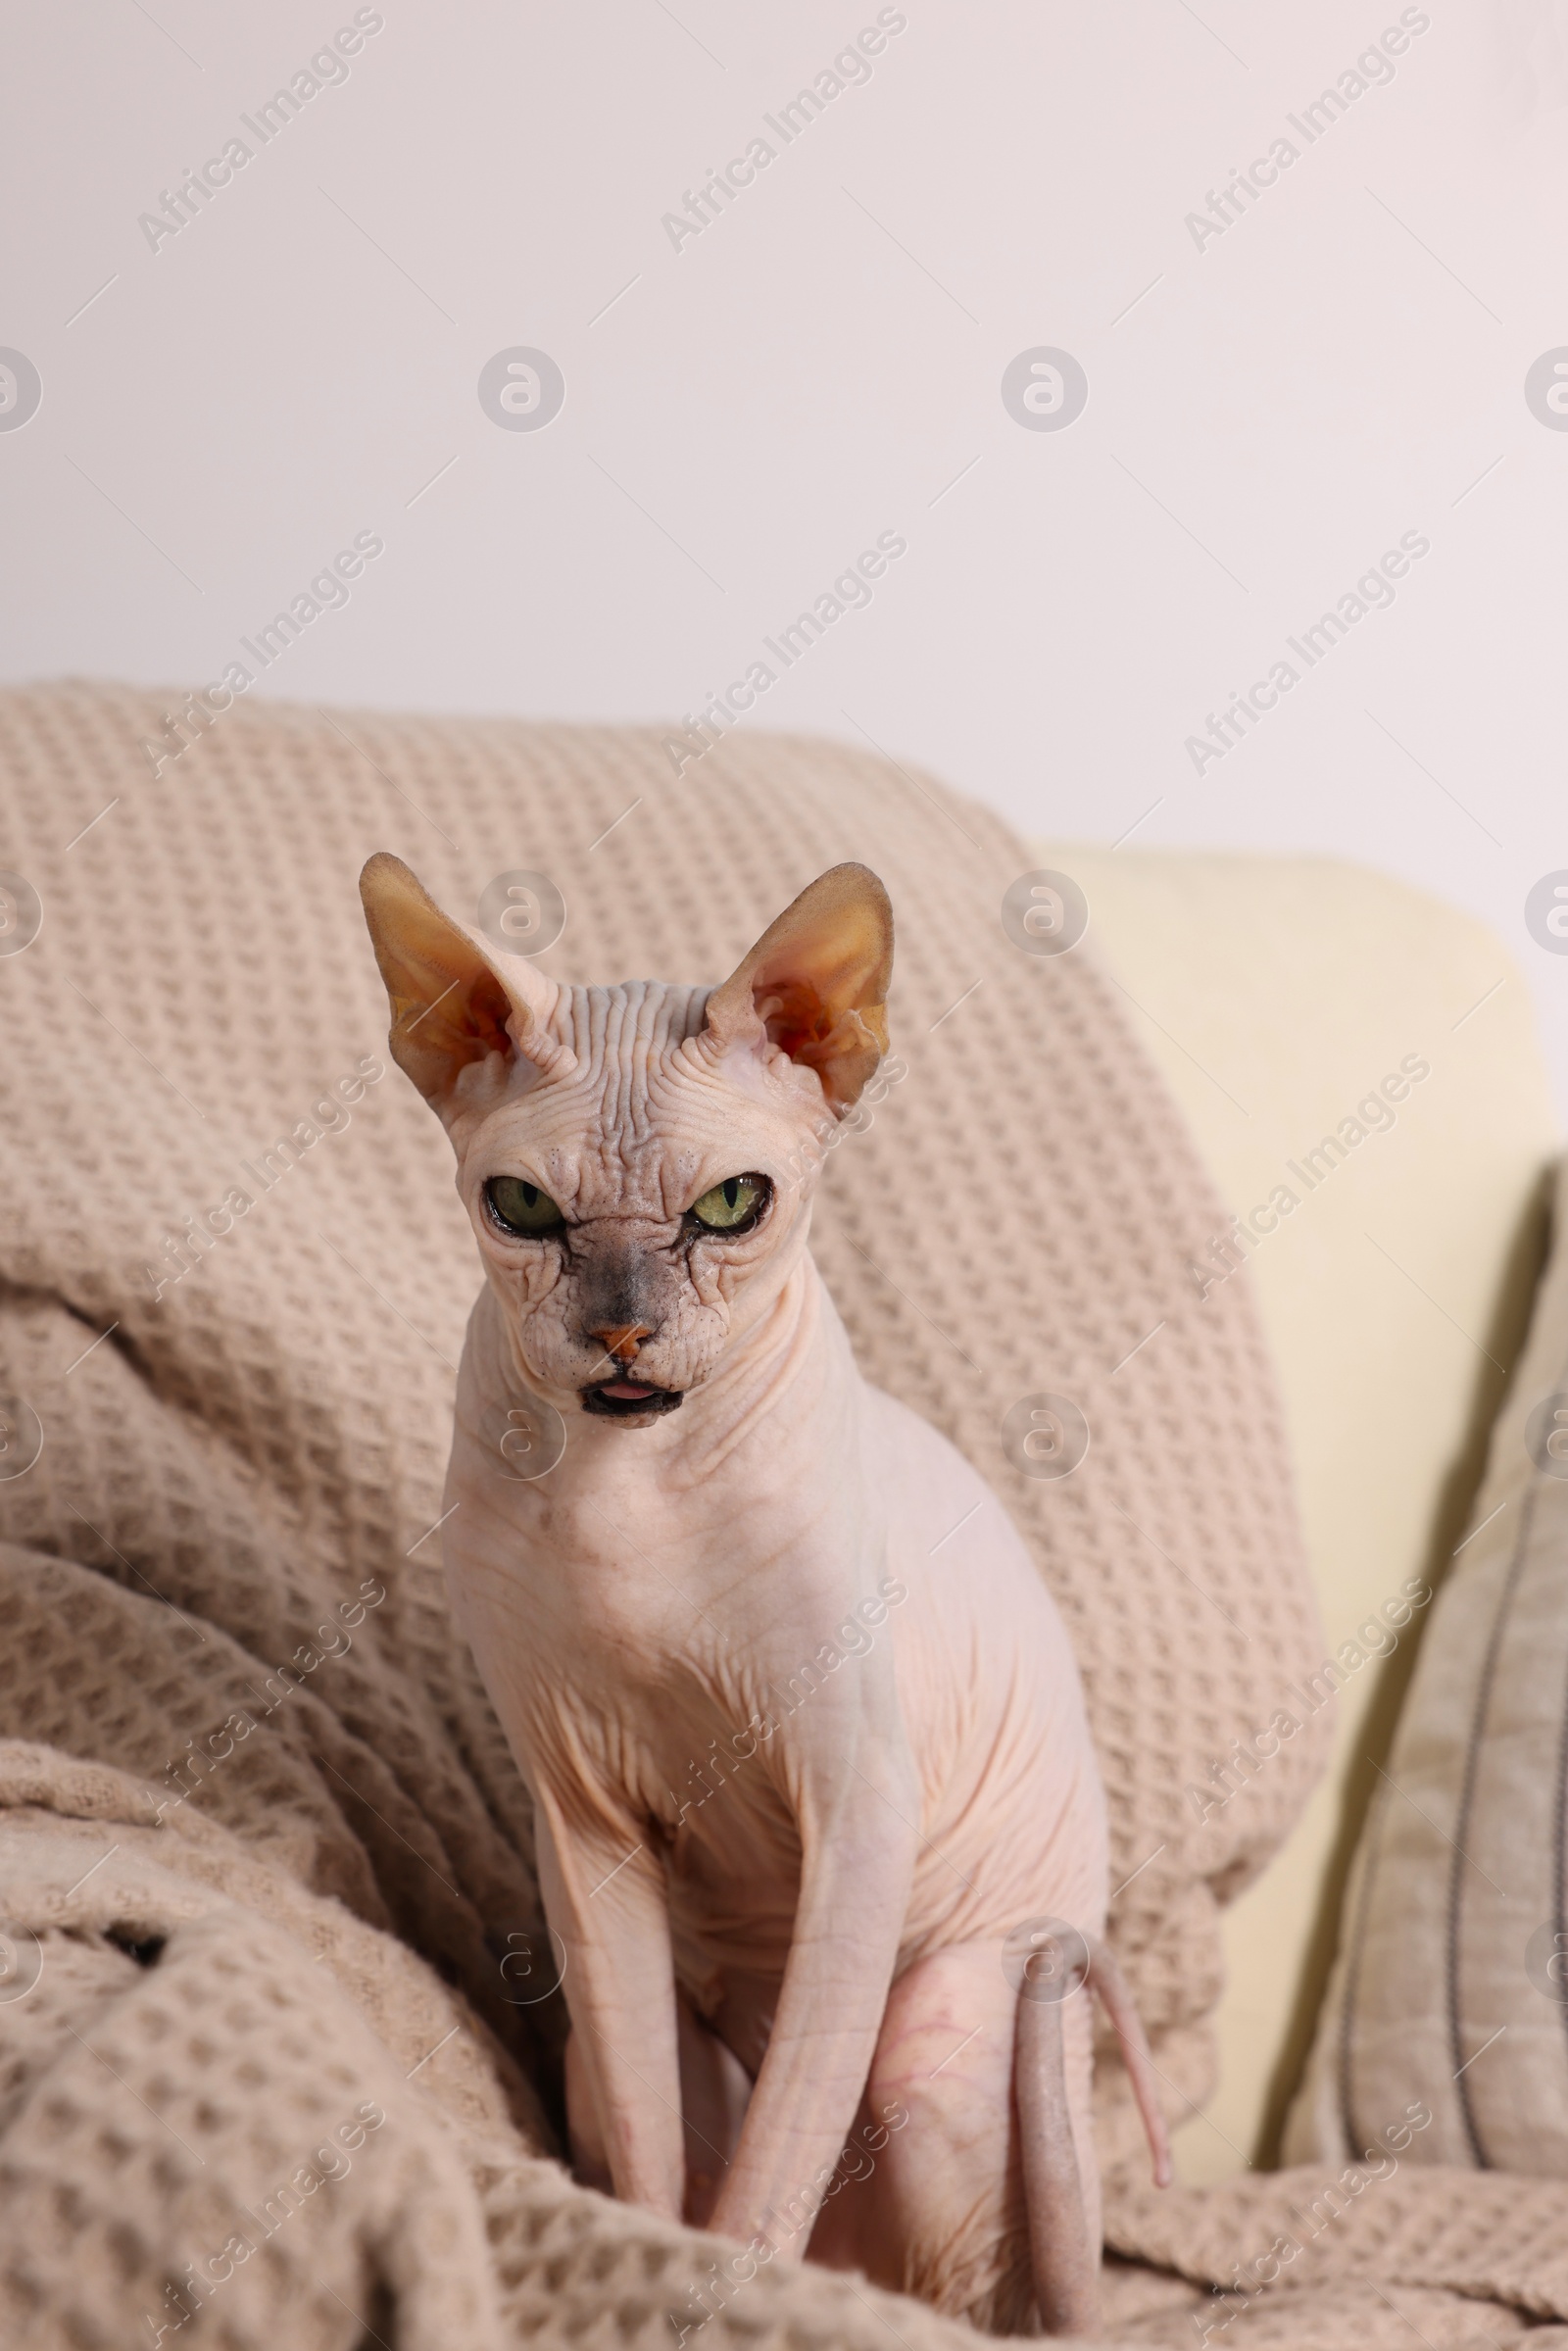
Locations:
{"points": [[1065, 2266], [1122, 2009]]}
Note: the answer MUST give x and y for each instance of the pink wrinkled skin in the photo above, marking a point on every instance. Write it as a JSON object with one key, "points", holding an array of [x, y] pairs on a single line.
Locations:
{"points": [[802, 1725]]}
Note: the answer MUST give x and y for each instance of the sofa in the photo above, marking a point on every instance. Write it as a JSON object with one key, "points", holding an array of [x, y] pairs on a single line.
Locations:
{"points": [[280, 2045]]}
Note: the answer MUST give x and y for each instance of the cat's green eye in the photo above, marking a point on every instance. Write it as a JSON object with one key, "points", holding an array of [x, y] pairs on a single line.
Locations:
{"points": [[732, 1207], [522, 1207]]}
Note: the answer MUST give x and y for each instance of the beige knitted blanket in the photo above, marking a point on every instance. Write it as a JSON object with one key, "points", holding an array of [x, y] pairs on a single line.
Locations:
{"points": [[278, 2037]]}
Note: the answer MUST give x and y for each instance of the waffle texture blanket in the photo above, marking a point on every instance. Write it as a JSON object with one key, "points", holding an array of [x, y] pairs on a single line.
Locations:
{"points": [[279, 2033]]}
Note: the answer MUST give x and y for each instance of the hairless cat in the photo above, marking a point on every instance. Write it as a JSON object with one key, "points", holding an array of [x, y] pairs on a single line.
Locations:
{"points": [[869, 1918]]}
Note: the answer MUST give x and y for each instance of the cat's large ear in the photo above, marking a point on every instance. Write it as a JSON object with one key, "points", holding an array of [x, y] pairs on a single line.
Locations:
{"points": [[816, 983], [454, 999]]}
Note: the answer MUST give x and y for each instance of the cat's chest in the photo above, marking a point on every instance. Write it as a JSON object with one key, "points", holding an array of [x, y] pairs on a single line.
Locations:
{"points": [[660, 1721], [632, 1641]]}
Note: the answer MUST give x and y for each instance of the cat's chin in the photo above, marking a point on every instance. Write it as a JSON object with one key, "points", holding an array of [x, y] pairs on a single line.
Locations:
{"points": [[638, 1411]]}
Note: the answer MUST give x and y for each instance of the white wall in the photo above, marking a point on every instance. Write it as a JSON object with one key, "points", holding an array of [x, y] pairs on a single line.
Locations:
{"points": [[1343, 365]]}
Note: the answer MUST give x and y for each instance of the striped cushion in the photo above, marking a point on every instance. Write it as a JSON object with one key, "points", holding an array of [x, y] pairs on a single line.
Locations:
{"points": [[1450, 1988]]}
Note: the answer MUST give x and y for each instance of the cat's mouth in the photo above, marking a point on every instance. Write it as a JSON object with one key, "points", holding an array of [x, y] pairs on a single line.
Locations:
{"points": [[630, 1400]]}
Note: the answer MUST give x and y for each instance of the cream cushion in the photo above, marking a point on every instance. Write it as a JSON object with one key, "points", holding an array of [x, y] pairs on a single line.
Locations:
{"points": [[1275, 995]]}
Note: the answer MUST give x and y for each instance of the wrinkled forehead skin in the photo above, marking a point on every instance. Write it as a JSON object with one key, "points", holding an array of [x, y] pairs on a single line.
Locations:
{"points": [[649, 1118]]}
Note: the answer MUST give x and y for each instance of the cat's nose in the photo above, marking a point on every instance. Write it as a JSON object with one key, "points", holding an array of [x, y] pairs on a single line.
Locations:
{"points": [[622, 1339]]}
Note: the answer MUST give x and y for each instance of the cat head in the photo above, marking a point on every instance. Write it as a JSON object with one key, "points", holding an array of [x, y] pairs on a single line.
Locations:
{"points": [[638, 1161]]}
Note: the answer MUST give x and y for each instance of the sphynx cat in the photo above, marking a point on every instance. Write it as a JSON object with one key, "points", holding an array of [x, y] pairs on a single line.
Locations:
{"points": [[754, 1579]]}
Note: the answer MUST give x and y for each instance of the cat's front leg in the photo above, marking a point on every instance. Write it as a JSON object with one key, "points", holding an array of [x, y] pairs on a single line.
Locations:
{"points": [[857, 1812], [714, 2092], [604, 1896]]}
